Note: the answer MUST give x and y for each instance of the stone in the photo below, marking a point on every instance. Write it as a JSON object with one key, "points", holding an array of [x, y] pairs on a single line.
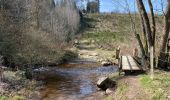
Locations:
{"points": [[94, 54], [168, 97], [76, 41], [106, 63], [93, 41], [99, 60], [105, 82], [109, 91]]}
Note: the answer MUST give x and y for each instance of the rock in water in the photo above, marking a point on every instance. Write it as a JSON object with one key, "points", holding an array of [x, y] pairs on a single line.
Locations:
{"points": [[109, 91], [105, 82], [107, 63]]}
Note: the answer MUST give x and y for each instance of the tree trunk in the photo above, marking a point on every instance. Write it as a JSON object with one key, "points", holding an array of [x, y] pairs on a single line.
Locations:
{"points": [[152, 48], [149, 32], [152, 61], [144, 35], [37, 14], [153, 21], [162, 55], [135, 32], [143, 12]]}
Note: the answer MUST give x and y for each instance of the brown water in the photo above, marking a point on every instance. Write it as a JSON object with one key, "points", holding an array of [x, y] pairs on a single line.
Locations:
{"points": [[71, 81]]}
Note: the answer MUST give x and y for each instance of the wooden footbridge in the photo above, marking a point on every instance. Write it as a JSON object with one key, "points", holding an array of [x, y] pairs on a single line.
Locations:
{"points": [[128, 64]]}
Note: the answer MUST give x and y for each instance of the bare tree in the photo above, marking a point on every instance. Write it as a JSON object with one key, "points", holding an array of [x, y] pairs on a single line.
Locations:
{"points": [[162, 54], [133, 26], [150, 33], [36, 31]]}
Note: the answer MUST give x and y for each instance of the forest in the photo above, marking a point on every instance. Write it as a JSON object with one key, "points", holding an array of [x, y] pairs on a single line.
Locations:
{"points": [[84, 49], [35, 32]]}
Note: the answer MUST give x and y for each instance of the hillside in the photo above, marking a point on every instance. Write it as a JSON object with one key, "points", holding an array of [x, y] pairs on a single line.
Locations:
{"points": [[106, 32], [72, 50], [110, 30], [103, 34]]}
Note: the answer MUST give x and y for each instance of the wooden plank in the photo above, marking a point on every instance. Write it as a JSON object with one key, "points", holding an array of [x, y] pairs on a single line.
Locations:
{"points": [[117, 53], [120, 64], [128, 63]]}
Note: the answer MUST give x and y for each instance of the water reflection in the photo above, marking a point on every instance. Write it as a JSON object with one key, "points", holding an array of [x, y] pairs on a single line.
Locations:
{"points": [[65, 83]]}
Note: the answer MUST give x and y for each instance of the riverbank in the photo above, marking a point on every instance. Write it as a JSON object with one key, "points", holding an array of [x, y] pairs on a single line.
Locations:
{"points": [[102, 35], [97, 43], [138, 87], [15, 86]]}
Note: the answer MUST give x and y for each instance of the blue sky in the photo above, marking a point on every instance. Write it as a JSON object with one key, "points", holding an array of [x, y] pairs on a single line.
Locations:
{"points": [[120, 5]]}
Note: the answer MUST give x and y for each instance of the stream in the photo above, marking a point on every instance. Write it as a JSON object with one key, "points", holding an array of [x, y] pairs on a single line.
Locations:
{"points": [[72, 81]]}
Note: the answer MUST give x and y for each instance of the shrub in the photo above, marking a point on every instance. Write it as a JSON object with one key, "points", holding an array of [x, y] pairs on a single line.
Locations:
{"points": [[36, 31]]}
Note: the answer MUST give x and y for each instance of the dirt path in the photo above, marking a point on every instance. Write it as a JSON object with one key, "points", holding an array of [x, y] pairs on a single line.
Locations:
{"points": [[88, 51], [133, 91]]}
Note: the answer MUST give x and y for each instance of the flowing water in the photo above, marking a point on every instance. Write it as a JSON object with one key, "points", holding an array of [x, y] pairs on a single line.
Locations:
{"points": [[71, 81]]}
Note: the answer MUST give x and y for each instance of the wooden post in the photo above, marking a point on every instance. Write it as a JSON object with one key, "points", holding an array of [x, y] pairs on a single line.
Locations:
{"points": [[135, 52], [119, 59], [118, 52], [120, 65]]}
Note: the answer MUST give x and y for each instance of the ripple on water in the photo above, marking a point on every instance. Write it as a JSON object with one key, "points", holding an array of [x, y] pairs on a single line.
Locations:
{"points": [[71, 82]]}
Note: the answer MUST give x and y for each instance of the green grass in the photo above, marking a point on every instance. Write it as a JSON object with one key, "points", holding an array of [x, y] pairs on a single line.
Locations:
{"points": [[159, 87], [108, 97], [109, 30], [121, 90], [3, 98], [105, 37], [146, 81], [18, 98]]}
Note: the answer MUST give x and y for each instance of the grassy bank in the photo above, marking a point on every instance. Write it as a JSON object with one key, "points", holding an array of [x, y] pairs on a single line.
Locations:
{"points": [[109, 31], [102, 35], [159, 87], [15, 86], [105, 32], [141, 87]]}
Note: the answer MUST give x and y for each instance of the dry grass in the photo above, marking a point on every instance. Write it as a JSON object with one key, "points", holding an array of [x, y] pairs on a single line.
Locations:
{"points": [[159, 88], [15, 85], [108, 31], [113, 30], [38, 33]]}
